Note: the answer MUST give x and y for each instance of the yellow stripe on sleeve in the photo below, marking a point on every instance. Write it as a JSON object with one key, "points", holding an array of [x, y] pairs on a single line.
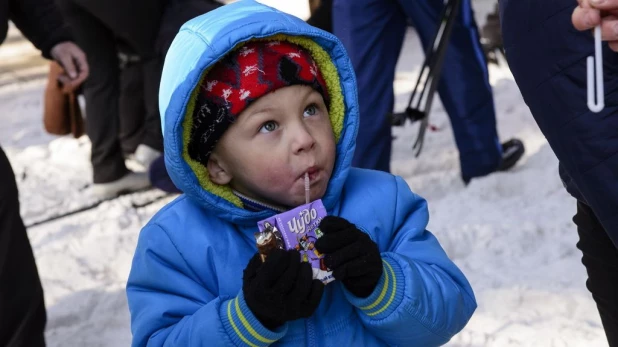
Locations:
{"points": [[229, 317], [390, 300], [248, 326], [382, 293]]}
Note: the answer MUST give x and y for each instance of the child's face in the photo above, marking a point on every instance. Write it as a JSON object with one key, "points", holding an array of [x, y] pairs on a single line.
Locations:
{"points": [[266, 152]]}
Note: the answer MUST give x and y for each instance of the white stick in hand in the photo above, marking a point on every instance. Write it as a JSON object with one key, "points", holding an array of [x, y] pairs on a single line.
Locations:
{"points": [[596, 62]]}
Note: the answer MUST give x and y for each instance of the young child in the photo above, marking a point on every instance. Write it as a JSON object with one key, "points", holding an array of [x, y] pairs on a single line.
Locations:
{"points": [[253, 99]]}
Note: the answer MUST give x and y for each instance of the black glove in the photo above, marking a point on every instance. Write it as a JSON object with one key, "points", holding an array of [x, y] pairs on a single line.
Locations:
{"points": [[281, 289], [354, 258]]}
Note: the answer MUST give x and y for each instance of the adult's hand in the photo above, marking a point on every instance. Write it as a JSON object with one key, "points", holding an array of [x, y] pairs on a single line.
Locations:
{"points": [[590, 13], [73, 60]]}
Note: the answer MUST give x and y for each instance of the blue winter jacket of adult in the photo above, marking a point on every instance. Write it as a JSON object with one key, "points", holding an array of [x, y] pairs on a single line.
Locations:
{"points": [[548, 58], [184, 288]]}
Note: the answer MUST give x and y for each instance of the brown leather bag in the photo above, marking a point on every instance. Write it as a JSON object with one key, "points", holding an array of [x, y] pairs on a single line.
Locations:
{"points": [[62, 114]]}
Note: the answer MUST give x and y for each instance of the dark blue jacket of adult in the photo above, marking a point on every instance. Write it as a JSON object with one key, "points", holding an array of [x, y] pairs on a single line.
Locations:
{"points": [[547, 56]]}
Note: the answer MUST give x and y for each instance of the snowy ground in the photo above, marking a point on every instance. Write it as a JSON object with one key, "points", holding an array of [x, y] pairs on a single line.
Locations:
{"points": [[510, 233]]}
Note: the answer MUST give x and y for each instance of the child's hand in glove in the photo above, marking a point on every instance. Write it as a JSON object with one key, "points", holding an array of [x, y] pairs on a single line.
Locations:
{"points": [[281, 289], [351, 254]]}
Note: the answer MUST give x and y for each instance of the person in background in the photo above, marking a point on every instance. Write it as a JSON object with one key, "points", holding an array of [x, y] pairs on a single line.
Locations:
{"points": [[22, 305], [175, 14], [321, 14], [372, 32], [491, 36], [119, 35], [547, 56]]}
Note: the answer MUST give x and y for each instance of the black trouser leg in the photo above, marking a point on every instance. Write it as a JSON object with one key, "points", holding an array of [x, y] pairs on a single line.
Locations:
{"points": [[135, 24], [153, 137], [22, 307], [101, 91], [131, 105], [600, 257]]}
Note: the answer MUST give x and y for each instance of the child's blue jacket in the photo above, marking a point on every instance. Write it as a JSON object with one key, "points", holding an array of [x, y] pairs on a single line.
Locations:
{"points": [[184, 288]]}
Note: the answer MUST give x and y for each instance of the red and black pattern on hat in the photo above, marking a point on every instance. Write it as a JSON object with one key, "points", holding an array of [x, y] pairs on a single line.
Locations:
{"points": [[243, 76]]}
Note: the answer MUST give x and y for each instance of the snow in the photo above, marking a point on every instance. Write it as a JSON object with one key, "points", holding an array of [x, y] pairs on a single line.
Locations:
{"points": [[511, 233]]}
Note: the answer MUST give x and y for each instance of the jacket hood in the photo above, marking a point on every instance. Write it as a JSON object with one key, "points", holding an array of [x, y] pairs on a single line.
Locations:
{"points": [[206, 39]]}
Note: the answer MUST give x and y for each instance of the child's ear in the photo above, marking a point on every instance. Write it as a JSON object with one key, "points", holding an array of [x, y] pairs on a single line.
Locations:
{"points": [[217, 170]]}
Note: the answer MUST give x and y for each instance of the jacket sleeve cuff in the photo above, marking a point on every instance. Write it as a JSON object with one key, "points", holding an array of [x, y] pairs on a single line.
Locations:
{"points": [[47, 46], [243, 328], [387, 295]]}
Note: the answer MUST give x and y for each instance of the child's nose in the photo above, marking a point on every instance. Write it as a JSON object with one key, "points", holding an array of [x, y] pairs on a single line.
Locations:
{"points": [[303, 140]]}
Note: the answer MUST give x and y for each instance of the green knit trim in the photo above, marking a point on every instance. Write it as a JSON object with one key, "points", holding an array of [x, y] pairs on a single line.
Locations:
{"points": [[200, 171]]}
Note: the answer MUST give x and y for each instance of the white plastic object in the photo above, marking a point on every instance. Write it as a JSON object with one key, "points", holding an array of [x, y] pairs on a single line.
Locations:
{"points": [[306, 187], [595, 71]]}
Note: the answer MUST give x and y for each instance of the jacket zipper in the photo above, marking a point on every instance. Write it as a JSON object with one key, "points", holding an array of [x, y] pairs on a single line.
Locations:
{"points": [[310, 332], [261, 204]]}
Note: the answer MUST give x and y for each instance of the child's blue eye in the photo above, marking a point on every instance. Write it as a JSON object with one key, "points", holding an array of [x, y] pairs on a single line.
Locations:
{"points": [[311, 110], [268, 127]]}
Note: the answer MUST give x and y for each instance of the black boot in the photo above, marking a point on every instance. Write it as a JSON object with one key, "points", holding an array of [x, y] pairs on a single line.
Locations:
{"points": [[512, 151]]}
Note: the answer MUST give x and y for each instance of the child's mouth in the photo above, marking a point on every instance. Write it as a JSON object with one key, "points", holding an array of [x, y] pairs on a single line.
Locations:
{"points": [[313, 174]]}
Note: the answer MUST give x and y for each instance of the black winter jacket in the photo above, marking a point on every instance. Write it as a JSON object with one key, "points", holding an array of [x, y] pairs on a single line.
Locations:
{"points": [[38, 20]]}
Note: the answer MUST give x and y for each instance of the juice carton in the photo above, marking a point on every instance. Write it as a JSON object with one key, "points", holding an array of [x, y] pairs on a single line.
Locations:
{"points": [[296, 229]]}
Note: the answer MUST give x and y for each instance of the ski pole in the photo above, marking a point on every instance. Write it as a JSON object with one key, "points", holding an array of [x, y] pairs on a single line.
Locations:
{"points": [[429, 76]]}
